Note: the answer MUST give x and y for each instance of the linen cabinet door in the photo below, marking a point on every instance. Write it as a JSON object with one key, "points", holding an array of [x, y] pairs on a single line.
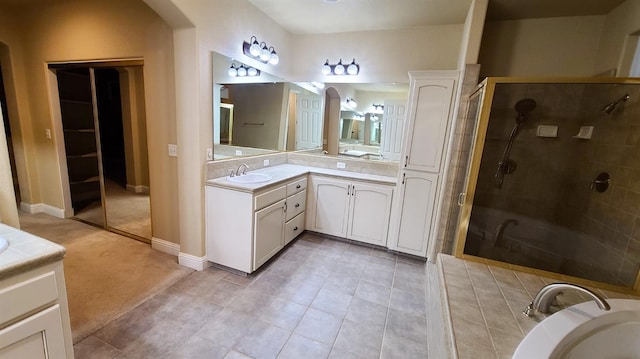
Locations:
{"points": [[417, 197], [430, 110]]}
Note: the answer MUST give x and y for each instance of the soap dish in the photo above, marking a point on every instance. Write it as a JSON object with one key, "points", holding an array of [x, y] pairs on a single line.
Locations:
{"points": [[584, 133], [547, 131]]}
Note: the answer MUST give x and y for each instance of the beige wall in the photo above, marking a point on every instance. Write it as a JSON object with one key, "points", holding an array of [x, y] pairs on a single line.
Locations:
{"points": [[383, 56], [565, 46], [93, 30], [618, 24]]}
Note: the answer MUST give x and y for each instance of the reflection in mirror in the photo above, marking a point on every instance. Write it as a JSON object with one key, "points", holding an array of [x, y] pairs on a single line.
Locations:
{"points": [[226, 123], [371, 123], [262, 114]]}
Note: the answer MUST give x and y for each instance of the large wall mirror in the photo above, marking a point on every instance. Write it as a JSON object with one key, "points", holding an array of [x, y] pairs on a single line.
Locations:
{"points": [[371, 120], [261, 114]]}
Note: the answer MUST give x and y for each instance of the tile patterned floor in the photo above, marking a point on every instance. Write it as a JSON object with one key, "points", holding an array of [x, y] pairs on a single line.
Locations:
{"points": [[320, 298]]}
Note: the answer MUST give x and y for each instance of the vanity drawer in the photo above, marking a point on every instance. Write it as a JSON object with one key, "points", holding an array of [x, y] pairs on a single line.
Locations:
{"points": [[293, 228], [25, 297], [297, 186], [272, 196], [296, 204]]}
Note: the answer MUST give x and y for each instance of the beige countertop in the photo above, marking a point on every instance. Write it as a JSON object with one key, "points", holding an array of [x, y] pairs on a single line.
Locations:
{"points": [[26, 252], [286, 172]]}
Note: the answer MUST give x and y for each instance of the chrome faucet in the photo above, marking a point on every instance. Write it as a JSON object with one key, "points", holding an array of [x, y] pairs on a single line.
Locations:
{"points": [[242, 169], [548, 293]]}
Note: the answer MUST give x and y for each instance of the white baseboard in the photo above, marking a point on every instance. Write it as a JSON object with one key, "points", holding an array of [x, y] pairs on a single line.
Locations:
{"points": [[165, 246], [193, 262], [42, 208], [138, 189]]}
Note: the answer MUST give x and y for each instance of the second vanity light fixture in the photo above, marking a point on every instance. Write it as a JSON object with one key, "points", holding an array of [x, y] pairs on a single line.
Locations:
{"points": [[242, 71], [260, 51], [340, 69], [351, 102]]}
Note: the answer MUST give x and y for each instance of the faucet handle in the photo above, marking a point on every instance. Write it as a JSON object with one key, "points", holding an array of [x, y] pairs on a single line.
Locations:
{"points": [[232, 173], [529, 311]]}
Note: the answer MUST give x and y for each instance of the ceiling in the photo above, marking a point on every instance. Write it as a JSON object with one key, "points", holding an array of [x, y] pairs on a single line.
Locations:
{"points": [[330, 16], [322, 16]]}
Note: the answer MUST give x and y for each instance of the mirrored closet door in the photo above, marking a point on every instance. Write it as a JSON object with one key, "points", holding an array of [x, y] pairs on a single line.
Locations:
{"points": [[105, 140]]}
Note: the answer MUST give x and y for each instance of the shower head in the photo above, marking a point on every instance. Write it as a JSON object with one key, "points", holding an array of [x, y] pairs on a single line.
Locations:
{"points": [[612, 106], [523, 107]]}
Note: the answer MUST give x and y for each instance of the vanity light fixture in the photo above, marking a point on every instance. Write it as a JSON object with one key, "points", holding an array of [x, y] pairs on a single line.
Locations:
{"points": [[260, 51], [340, 69], [242, 71], [351, 103], [378, 108]]}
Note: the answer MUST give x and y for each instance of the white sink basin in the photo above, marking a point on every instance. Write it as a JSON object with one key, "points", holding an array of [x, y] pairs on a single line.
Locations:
{"points": [[249, 178], [586, 332], [4, 244]]}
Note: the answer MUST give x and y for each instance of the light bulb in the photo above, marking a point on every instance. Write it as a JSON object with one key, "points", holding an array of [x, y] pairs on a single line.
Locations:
{"points": [[339, 69], [326, 69], [264, 53], [274, 59], [254, 49], [233, 72], [242, 71], [352, 69], [252, 71]]}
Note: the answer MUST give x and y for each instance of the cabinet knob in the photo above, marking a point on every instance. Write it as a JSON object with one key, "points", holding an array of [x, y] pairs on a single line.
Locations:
{"points": [[297, 205], [298, 187], [295, 228]]}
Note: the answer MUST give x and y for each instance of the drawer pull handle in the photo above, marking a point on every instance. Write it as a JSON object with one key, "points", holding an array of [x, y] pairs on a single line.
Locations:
{"points": [[295, 228], [298, 187], [297, 205]]}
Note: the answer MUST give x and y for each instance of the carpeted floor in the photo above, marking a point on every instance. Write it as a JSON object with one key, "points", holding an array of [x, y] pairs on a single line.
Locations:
{"points": [[106, 274]]}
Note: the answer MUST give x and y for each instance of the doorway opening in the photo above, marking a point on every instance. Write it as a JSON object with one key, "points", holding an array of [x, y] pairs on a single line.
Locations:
{"points": [[7, 131], [105, 146]]}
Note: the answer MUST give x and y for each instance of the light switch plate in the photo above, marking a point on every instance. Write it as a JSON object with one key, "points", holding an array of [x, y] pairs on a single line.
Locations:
{"points": [[209, 154], [265, 163], [173, 150], [238, 153], [341, 165]]}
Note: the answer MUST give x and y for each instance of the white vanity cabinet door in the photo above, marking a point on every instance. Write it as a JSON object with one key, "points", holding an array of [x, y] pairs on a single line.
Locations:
{"points": [[38, 336], [328, 205], [269, 233], [415, 217], [369, 213], [429, 112]]}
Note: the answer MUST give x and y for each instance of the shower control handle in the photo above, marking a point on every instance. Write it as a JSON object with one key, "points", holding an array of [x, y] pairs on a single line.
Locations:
{"points": [[601, 182]]}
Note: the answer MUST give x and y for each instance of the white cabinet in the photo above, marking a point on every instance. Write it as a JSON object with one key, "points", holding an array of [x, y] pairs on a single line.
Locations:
{"points": [[416, 197], [269, 232], [34, 320], [430, 109], [429, 113], [245, 229], [351, 209]]}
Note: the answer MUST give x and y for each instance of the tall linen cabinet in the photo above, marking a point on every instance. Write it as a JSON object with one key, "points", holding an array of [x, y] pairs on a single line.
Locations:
{"points": [[432, 95]]}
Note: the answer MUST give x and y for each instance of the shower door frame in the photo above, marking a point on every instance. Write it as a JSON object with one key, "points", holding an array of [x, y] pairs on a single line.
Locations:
{"points": [[487, 86]]}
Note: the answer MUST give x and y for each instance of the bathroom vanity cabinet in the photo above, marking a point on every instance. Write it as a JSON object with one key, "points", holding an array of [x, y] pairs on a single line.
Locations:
{"points": [[244, 229], [34, 315], [351, 209]]}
